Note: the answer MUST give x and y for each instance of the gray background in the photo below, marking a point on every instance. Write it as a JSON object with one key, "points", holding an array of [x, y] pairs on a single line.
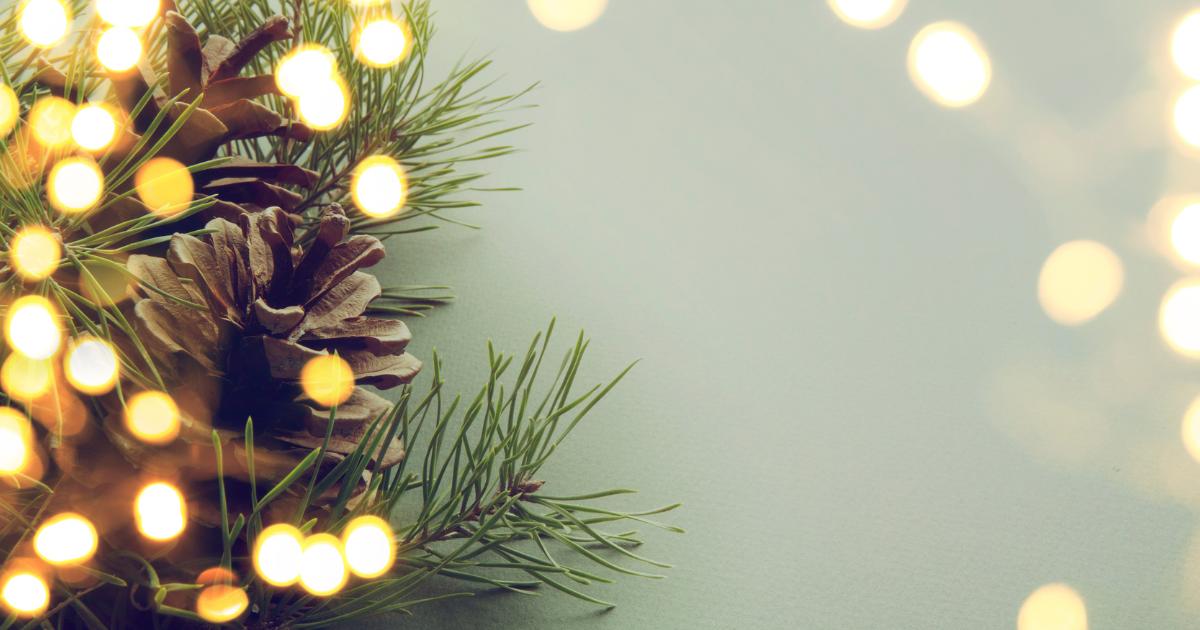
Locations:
{"points": [[831, 283]]}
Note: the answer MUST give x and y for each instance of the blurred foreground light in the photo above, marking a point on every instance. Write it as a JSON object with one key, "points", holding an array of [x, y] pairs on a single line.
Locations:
{"points": [[160, 512], [23, 378], [1190, 429], [50, 121], [1185, 45], [15, 435], [1053, 607], [93, 127], [128, 13], [165, 186], [1185, 233], [44, 22], [567, 15], [278, 553], [869, 14], [1187, 117], [92, 366], [32, 327], [369, 546], [119, 49], [25, 593], [221, 600], [322, 565], [65, 539], [948, 63], [324, 106], [34, 252], [75, 185], [10, 109], [304, 70], [1179, 317], [383, 42], [379, 186], [1078, 281], [152, 417], [327, 379]]}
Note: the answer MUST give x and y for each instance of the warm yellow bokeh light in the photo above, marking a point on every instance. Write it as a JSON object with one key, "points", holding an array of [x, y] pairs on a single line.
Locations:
{"points": [[152, 417], [277, 555], [44, 22], [92, 368], [65, 539], [1078, 281], [10, 109], [221, 603], [160, 511], [1185, 233], [379, 186], [304, 70], [34, 252], [324, 107], [75, 185], [24, 378], [164, 185], [1179, 317], [15, 435], [567, 15], [1190, 429], [93, 127], [119, 49], [868, 13], [369, 546], [1053, 607], [1185, 45], [1187, 117], [322, 565], [31, 327], [50, 121], [383, 42], [327, 379], [948, 64], [128, 13], [25, 594]]}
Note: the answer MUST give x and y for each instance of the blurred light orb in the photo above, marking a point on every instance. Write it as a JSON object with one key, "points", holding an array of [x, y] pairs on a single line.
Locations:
{"points": [[1078, 281], [324, 106], [379, 186], [220, 601], [15, 434], [44, 22], [1053, 607], [1179, 317], [152, 417], [949, 64], [304, 70], [25, 594], [869, 14], [160, 511], [1190, 429], [165, 186], [1185, 233], [327, 379], [24, 378], [75, 185], [92, 366], [322, 565], [1185, 45], [567, 15], [383, 42], [93, 127], [50, 121], [278, 553], [370, 546], [65, 539], [10, 109], [34, 252], [1187, 116], [128, 13], [32, 327], [119, 49]]}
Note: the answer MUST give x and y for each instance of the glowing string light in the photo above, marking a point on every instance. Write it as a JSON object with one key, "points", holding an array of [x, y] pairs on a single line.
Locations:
{"points": [[34, 252], [14, 441], [948, 64], [152, 417], [278, 553], [92, 366], [383, 42], [567, 15], [25, 593], [65, 539], [94, 127], [327, 379], [322, 565], [160, 512], [869, 14], [31, 327], [75, 185], [128, 13], [44, 22], [25, 379], [370, 546], [50, 121], [379, 186]]}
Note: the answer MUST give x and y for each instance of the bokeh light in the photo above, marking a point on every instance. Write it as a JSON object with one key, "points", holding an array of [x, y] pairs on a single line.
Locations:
{"points": [[160, 511], [322, 565], [379, 186], [1185, 233], [870, 14], [1187, 117], [1185, 45], [1053, 607], [119, 49], [327, 379], [277, 555], [34, 252], [50, 121], [383, 42], [31, 327], [949, 64], [10, 109], [369, 546], [94, 127], [305, 69], [75, 185], [1190, 429], [567, 15], [44, 22], [164, 185], [220, 601], [128, 13], [1179, 317], [325, 105], [92, 367], [152, 417], [1078, 281], [25, 593], [65, 539], [15, 436], [24, 378]]}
